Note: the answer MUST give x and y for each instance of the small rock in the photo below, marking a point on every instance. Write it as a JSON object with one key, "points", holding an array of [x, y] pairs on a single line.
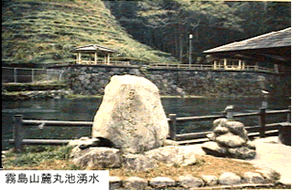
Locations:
{"points": [[250, 145], [188, 156], [235, 127], [115, 182], [267, 173], [168, 155], [230, 140], [162, 182], [214, 149], [251, 177], [99, 158], [242, 152], [210, 180], [220, 130], [189, 181], [168, 142], [211, 136], [84, 142], [173, 155], [77, 152], [135, 183], [229, 178], [138, 162]]}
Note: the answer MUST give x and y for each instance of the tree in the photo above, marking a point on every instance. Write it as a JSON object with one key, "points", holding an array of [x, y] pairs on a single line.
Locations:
{"points": [[166, 24]]}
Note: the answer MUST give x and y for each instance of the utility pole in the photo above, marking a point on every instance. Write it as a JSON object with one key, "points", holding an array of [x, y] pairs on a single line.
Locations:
{"points": [[190, 50]]}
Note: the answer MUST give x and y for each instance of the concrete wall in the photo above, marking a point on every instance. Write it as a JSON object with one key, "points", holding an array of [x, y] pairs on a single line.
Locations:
{"points": [[91, 80]]}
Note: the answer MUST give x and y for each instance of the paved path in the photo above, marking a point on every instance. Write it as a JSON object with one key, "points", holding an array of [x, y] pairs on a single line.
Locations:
{"points": [[273, 155], [270, 154]]}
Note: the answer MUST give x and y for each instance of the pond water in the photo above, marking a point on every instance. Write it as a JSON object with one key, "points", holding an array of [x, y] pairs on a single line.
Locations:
{"points": [[85, 109]]}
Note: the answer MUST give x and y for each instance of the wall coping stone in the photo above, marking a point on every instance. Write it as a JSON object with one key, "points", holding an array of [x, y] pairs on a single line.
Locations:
{"points": [[164, 182]]}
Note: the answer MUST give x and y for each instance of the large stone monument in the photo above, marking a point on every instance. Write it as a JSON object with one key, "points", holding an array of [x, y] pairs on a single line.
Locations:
{"points": [[131, 115]]}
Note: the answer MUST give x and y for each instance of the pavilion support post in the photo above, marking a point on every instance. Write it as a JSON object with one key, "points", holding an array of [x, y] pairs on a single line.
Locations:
{"points": [[95, 58], [276, 68], [256, 66], [215, 64], [15, 75], [108, 59], [239, 64], [79, 58], [225, 63]]}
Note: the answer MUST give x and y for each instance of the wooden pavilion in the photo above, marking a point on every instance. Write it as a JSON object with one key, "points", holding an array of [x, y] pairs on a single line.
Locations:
{"points": [[93, 50], [272, 49]]}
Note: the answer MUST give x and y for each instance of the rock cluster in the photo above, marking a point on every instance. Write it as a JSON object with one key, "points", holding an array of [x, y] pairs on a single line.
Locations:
{"points": [[229, 139], [105, 157]]}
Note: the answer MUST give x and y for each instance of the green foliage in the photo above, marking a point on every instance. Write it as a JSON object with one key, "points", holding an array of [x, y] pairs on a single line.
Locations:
{"points": [[34, 155], [166, 25], [36, 31], [45, 31]]}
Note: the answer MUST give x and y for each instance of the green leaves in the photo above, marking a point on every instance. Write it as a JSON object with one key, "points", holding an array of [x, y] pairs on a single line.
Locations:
{"points": [[166, 25]]}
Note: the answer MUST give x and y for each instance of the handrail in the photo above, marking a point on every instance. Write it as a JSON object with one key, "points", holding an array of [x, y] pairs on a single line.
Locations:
{"points": [[58, 123], [207, 117], [261, 128], [198, 118]]}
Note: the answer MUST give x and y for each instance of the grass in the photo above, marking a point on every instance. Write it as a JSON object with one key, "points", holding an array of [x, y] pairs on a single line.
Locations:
{"points": [[39, 158]]}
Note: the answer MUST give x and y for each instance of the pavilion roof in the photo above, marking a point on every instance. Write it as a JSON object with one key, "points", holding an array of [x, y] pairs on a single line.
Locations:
{"points": [[91, 48], [275, 39]]}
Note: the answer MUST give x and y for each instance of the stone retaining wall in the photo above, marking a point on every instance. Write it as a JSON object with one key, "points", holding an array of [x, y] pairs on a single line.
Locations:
{"points": [[91, 80]]}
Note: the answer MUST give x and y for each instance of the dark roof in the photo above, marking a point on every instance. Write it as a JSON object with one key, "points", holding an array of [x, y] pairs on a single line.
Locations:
{"points": [[279, 39], [91, 48]]}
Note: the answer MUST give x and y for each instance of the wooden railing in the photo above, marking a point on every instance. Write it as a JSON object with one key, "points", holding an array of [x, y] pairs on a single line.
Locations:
{"points": [[186, 66], [258, 130], [211, 67], [124, 63], [261, 129]]}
